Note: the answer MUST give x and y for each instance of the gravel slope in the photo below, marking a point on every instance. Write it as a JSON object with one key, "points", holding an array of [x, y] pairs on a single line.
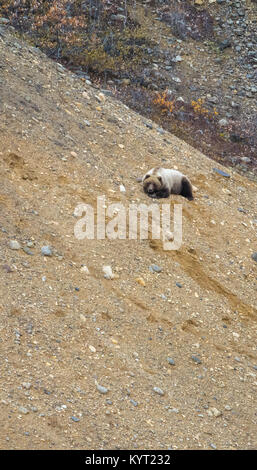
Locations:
{"points": [[147, 360]]}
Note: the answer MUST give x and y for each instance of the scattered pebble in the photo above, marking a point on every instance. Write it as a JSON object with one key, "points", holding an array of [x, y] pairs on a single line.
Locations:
{"points": [[222, 173], [26, 385], [223, 122], [135, 403], [14, 245], [23, 410], [213, 446], [154, 268], [171, 361], [179, 285], [85, 270], [75, 419], [158, 390], [108, 274], [101, 389], [46, 251], [140, 281], [28, 251], [7, 268], [4, 20], [100, 98], [228, 408], [196, 359], [214, 412], [149, 125]]}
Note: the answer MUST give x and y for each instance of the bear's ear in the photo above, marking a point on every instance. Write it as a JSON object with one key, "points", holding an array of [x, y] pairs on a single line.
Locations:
{"points": [[160, 179], [146, 176]]}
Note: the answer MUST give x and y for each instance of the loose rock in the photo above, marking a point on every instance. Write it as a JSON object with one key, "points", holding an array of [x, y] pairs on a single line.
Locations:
{"points": [[14, 245], [101, 389], [155, 268], [108, 274], [46, 251], [158, 390], [196, 359]]}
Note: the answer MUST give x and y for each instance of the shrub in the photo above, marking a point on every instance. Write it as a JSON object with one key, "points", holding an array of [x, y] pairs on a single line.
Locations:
{"points": [[84, 33], [163, 101], [187, 21]]}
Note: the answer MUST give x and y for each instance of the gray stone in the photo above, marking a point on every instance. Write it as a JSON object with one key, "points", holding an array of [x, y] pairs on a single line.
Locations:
{"points": [[179, 285], [23, 410], [213, 99], [27, 250], [155, 268], [118, 17], [158, 390], [228, 408], [196, 359], [101, 389], [224, 44], [4, 20], [108, 274], [223, 122], [176, 79], [74, 419], [221, 172], [46, 250], [149, 125], [26, 385], [14, 245], [135, 403], [171, 361]]}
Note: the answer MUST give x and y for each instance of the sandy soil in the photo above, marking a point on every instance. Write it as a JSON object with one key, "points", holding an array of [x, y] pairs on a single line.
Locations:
{"points": [[64, 333]]}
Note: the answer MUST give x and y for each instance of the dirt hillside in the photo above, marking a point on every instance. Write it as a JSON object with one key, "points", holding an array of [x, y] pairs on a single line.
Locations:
{"points": [[162, 356]]}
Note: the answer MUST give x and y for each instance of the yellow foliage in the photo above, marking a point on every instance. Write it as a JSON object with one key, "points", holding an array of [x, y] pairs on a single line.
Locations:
{"points": [[198, 107], [163, 101]]}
